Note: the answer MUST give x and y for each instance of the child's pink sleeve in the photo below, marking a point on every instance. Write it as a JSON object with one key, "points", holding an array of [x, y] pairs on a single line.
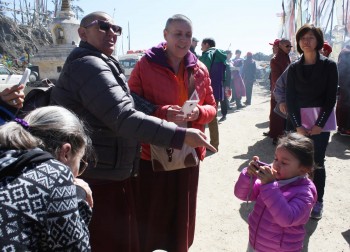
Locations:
{"points": [[245, 186]]}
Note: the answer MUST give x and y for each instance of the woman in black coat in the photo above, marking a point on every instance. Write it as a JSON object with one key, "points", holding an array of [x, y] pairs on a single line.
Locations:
{"points": [[311, 96]]}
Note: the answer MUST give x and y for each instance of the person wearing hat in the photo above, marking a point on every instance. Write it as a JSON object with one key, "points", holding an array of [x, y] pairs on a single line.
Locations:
{"points": [[278, 64], [275, 46], [249, 76], [194, 45], [326, 49]]}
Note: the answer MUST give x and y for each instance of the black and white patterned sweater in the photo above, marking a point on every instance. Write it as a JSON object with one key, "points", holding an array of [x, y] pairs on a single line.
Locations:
{"points": [[39, 207]]}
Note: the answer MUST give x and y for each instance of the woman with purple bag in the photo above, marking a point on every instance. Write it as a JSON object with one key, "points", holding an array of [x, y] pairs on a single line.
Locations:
{"points": [[311, 96]]}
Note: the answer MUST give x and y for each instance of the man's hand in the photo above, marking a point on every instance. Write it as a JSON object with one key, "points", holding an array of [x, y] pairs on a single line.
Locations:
{"points": [[196, 138]]}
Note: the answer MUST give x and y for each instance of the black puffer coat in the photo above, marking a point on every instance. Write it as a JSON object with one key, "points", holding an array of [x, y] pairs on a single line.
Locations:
{"points": [[92, 86]]}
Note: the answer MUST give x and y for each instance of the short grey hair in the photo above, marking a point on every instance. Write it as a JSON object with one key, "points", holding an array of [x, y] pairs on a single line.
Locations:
{"points": [[177, 18]]}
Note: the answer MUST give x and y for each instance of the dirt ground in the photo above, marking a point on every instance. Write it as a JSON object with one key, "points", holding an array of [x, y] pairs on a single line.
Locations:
{"points": [[222, 218]]}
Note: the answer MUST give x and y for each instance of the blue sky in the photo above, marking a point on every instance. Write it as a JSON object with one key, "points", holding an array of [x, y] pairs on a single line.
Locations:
{"points": [[248, 25]]}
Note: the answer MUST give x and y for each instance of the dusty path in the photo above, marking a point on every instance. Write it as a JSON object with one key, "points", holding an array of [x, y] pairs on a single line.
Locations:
{"points": [[221, 218]]}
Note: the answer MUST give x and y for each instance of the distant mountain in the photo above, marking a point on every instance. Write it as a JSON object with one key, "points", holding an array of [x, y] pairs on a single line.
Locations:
{"points": [[18, 40]]}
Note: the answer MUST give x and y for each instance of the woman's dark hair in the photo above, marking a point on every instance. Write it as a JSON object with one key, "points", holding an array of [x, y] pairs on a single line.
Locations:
{"points": [[301, 147], [315, 30]]}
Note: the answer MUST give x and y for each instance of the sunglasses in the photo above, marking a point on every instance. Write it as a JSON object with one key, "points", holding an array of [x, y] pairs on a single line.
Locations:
{"points": [[289, 46], [82, 167], [105, 26]]}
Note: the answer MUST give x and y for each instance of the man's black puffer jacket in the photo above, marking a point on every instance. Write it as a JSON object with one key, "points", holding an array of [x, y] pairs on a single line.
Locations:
{"points": [[91, 85]]}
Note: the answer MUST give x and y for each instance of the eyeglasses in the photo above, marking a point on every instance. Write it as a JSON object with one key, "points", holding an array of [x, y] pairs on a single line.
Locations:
{"points": [[105, 26], [288, 46], [82, 167]]}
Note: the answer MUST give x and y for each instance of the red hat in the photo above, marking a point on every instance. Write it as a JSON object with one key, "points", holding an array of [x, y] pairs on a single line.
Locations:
{"points": [[327, 47], [276, 42]]}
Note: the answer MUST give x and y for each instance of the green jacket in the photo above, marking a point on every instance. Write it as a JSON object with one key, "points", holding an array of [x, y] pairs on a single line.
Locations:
{"points": [[207, 56]]}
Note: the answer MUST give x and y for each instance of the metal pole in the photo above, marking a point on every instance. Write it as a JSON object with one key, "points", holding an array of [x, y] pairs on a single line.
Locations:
{"points": [[129, 35]]}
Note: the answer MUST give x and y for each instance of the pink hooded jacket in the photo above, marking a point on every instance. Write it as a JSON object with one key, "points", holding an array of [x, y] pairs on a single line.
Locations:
{"points": [[277, 221]]}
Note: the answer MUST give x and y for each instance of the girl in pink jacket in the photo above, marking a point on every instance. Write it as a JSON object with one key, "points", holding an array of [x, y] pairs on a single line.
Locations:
{"points": [[283, 193]]}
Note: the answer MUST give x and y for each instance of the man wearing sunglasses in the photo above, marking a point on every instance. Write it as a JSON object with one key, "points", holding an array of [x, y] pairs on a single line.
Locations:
{"points": [[92, 85], [278, 64]]}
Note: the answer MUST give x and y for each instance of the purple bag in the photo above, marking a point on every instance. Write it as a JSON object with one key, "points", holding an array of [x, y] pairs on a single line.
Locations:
{"points": [[309, 117]]}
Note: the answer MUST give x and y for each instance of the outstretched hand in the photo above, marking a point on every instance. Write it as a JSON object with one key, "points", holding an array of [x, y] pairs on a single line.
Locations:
{"points": [[196, 138]]}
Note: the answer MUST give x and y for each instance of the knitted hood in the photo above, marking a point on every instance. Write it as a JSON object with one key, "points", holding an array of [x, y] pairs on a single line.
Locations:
{"points": [[12, 162], [157, 55]]}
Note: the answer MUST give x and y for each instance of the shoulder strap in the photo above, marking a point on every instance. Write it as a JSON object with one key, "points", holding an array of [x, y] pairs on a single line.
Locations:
{"points": [[116, 70], [191, 86]]}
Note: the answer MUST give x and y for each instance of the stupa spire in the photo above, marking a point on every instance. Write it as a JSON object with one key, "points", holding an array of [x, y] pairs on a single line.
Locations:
{"points": [[65, 5]]}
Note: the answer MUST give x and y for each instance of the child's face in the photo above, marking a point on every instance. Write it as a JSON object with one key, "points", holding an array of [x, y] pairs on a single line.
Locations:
{"points": [[286, 165]]}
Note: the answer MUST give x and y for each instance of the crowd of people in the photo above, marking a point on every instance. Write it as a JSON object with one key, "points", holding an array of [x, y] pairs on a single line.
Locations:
{"points": [[79, 175]]}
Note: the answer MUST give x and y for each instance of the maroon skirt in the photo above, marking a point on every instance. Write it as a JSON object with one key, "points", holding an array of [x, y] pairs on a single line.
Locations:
{"points": [[166, 208], [277, 123], [113, 224]]}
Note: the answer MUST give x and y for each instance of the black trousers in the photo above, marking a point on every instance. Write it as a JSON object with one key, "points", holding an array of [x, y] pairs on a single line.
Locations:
{"points": [[223, 106], [320, 145]]}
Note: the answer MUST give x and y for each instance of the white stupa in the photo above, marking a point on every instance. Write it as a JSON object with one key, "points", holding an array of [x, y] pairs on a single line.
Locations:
{"points": [[64, 30]]}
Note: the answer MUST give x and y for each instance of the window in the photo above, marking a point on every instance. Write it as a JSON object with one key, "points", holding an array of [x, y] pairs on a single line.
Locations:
{"points": [[128, 63]]}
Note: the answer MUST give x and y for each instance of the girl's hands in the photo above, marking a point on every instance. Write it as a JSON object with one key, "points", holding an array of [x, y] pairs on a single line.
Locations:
{"points": [[264, 172], [266, 175], [253, 167]]}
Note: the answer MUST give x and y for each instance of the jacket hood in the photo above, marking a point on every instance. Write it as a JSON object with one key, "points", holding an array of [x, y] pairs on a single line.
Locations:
{"points": [[210, 50], [157, 55], [221, 54], [12, 162]]}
